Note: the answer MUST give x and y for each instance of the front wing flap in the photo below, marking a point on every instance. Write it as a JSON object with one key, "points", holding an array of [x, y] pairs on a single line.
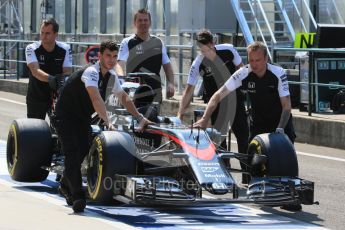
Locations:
{"points": [[278, 190], [155, 190]]}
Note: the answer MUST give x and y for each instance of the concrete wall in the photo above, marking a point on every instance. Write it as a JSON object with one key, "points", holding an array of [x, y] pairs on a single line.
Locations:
{"points": [[14, 86], [320, 131]]}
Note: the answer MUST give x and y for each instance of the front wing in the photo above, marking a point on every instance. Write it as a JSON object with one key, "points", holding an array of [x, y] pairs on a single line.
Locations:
{"points": [[160, 191]]}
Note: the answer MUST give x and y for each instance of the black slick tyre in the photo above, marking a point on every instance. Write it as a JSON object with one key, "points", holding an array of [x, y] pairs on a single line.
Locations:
{"points": [[29, 148], [111, 153], [280, 153]]}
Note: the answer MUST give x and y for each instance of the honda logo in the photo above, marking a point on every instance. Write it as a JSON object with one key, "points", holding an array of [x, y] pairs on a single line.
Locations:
{"points": [[251, 85]]}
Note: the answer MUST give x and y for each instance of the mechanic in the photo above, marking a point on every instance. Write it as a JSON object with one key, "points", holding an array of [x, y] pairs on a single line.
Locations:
{"points": [[46, 59], [268, 91], [83, 94], [215, 64], [143, 52]]}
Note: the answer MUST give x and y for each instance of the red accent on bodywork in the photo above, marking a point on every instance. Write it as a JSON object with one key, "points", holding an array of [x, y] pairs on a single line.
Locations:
{"points": [[203, 154]]}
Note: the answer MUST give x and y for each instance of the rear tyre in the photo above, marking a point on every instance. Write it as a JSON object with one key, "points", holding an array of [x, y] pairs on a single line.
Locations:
{"points": [[280, 152], [29, 148], [111, 153]]}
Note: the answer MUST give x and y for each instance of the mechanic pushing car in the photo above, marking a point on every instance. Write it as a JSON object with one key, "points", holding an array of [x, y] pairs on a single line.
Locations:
{"points": [[46, 59], [215, 65], [83, 94], [268, 91], [143, 52]]}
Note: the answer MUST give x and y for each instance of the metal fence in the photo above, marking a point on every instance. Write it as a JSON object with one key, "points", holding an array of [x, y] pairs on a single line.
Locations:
{"points": [[312, 55], [12, 58]]}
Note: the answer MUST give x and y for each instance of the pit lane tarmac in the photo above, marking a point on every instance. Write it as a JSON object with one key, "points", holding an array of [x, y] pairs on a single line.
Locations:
{"points": [[227, 216]]}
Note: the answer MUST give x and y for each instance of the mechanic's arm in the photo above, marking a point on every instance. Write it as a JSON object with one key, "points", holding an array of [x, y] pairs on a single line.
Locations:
{"points": [[37, 72], [186, 99], [170, 79], [66, 71], [129, 105], [119, 70], [239, 66], [122, 57], [43, 76], [286, 111], [211, 106], [122, 65], [99, 105]]}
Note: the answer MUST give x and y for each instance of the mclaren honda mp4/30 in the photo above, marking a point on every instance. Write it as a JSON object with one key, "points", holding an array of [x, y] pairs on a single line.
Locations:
{"points": [[167, 164]]}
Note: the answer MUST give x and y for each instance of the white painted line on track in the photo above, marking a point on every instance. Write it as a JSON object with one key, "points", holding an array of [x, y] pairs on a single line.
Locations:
{"points": [[298, 152], [321, 156], [313, 155], [12, 101]]}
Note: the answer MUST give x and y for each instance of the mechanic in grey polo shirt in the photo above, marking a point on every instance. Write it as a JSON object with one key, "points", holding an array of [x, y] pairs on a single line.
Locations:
{"points": [[143, 52]]}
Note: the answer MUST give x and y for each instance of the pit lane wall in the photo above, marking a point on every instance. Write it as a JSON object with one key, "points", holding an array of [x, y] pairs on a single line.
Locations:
{"points": [[311, 130]]}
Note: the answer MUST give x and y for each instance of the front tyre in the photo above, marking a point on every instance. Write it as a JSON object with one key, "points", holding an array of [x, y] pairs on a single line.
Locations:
{"points": [[111, 153], [280, 153]]}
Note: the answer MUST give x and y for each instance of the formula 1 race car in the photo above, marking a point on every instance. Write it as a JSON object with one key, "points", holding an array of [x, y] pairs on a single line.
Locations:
{"points": [[167, 164]]}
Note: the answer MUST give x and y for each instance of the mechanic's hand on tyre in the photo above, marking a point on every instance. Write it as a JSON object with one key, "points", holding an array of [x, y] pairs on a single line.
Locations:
{"points": [[279, 130], [52, 81], [202, 123]]}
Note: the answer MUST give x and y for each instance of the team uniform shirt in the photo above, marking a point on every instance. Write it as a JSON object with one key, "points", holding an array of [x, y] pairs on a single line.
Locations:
{"points": [[264, 93], [51, 63], [144, 56], [75, 101], [214, 72]]}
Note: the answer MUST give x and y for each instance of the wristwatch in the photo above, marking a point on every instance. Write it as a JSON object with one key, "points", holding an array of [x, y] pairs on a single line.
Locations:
{"points": [[279, 130], [140, 117]]}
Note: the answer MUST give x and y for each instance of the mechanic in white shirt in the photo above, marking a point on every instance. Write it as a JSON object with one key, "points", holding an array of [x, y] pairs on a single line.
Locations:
{"points": [[83, 94], [268, 90], [47, 60], [215, 65]]}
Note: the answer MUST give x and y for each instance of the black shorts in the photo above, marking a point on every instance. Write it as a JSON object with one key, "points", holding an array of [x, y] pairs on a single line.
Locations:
{"points": [[37, 109]]}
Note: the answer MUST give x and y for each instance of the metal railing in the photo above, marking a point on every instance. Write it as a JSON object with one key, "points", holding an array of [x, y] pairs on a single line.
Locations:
{"points": [[311, 74], [78, 48]]}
